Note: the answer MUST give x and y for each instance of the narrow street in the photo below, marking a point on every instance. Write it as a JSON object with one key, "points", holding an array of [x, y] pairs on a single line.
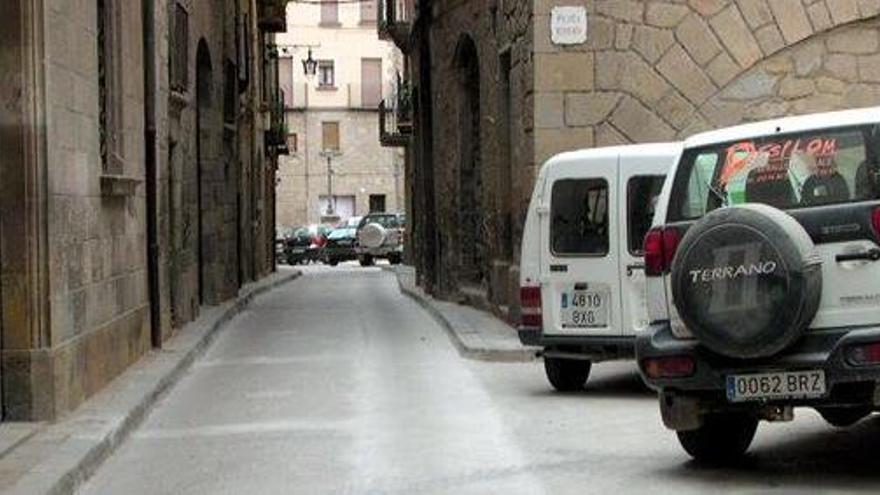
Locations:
{"points": [[337, 383]]}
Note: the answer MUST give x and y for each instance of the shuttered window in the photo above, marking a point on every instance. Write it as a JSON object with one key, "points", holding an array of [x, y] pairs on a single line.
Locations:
{"points": [[329, 12], [371, 82], [368, 11], [111, 119], [330, 134], [180, 49], [285, 80]]}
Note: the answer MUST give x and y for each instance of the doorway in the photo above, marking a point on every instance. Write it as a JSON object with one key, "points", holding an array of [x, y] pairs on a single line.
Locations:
{"points": [[203, 133]]}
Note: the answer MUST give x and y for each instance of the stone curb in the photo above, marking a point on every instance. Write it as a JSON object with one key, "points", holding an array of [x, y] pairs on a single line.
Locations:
{"points": [[465, 349], [73, 461]]}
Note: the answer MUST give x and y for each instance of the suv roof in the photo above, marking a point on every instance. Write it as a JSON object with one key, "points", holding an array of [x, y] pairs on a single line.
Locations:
{"points": [[787, 125]]}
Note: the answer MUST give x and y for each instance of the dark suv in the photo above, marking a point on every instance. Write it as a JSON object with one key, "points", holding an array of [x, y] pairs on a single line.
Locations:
{"points": [[764, 281]]}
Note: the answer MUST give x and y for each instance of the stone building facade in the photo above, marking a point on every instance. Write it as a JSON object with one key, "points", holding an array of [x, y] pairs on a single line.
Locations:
{"points": [[496, 98], [134, 184], [356, 72]]}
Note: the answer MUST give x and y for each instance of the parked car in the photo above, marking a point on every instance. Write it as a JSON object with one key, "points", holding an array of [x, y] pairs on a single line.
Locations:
{"points": [[381, 235], [350, 223], [764, 281], [306, 243], [340, 246], [282, 237], [582, 277]]}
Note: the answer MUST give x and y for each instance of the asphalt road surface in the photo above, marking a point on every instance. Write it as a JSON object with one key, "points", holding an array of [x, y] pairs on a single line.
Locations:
{"points": [[337, 383]]}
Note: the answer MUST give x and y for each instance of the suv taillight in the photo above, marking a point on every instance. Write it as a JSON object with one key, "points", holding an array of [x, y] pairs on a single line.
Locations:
{"points": [[660, 247], [530, 303]]}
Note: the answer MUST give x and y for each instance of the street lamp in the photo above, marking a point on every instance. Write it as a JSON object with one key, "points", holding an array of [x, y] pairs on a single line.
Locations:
{"points": [[331, 206], [310, 65]]}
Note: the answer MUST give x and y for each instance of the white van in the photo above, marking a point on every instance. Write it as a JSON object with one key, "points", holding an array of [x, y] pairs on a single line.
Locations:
{"points": [[582, 280]]}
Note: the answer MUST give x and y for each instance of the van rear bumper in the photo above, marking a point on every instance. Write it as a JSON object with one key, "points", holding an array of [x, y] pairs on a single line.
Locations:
{"points": [[595, 348]]}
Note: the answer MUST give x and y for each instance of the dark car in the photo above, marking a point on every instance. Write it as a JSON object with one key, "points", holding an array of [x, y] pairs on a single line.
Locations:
{"points": [[282, 237], [297, 247], [340, 246]]}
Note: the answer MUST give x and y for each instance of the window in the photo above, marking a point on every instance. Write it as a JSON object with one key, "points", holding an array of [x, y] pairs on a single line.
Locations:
{"points": [[330, 136], [329, 13], [828, 166], [579, 213], [293, 142], [368, 11], [386, 221], [641, 194], [179, 47], [377, 203], [326, 74], [371, 82], [110, 118]]}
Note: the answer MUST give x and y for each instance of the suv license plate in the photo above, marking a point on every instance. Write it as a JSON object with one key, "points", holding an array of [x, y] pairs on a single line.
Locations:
{"points": [[782, 385], [585, 309]]}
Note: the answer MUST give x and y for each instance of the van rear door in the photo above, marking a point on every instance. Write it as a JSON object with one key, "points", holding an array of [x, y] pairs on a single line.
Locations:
{"points": [[641, 180], [581, 288]]}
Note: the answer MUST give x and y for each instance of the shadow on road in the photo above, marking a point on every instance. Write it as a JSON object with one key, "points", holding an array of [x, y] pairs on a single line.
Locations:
{"points": [[838, 458]]}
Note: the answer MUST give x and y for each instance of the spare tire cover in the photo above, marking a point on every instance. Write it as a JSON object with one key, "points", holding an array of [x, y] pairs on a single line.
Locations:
{"points": [[747, 281], [372, 236]]}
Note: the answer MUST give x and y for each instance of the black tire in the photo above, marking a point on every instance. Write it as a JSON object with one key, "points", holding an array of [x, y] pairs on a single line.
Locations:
{"points": [[747, 281], [366, 260], [841, 417], [332, 261], [721, 439], [394, 259], [567, 375]]}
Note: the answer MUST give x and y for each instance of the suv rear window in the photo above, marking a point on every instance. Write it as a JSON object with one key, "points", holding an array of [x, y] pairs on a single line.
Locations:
{"points": [[386, 221], [822, 167], [579, 217]]}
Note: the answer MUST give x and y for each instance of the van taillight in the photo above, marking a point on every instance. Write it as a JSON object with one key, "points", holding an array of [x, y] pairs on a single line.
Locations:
{"points": [[530, 303], [875, 221], [660, 247]]}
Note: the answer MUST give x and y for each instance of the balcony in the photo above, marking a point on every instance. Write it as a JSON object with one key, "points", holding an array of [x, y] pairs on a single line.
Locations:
{"points": [[396, 117], [395, 22], [272, 16], [276, 135]]}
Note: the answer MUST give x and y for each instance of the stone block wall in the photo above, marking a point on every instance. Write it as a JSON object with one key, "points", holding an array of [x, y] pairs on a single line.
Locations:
{"points": [[666, 69]]}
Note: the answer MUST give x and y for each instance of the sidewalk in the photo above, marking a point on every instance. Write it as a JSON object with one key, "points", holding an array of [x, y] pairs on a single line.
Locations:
{"points": [[56, 458], [476, 334]]}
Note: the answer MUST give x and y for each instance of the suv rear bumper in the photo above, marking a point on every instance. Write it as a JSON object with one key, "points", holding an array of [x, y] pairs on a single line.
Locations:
{"points": [[379, 252], [817, 350], [595, 348]]}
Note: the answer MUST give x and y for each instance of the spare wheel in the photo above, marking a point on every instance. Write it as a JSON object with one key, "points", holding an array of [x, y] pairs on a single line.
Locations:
{"points": [[747, 281], [372, 236]]}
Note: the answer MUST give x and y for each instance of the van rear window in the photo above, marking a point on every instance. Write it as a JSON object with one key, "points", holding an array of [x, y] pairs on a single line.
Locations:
{"points": [[822, 167], [579, 217]]}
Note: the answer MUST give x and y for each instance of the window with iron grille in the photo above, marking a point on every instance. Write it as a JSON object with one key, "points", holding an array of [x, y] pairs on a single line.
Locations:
{"points": [[110, 116], [326, 74], [180, 49]]}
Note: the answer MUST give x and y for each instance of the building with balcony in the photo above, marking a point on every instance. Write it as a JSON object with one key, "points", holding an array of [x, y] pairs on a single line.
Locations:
{"points": [[336, 167]]}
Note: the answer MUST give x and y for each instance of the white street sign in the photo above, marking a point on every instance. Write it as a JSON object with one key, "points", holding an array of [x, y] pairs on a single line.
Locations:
{"points": [[568, 25]]}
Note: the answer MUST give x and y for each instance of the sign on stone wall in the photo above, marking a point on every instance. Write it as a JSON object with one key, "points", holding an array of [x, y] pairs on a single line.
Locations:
{"points": [[568, 25]]}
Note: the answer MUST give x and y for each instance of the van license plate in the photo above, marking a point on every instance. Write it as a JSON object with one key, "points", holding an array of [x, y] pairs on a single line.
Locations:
{"points": [[782, 385], [584, 309]]}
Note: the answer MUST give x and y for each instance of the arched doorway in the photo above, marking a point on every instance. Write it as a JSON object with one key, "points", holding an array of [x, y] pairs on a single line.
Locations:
{"points": [[204, 97], [470, 239]]}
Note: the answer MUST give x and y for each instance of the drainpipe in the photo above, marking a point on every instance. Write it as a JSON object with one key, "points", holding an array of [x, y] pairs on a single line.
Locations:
{"points": [[149, 42]]}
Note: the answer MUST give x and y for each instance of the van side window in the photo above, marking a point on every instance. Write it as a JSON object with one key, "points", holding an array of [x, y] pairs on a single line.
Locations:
{"points": [[641, 200], [579, 217]]}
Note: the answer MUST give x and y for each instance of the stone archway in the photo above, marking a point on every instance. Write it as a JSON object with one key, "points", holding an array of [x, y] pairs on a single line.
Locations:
{"points": [[470, 238]]}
